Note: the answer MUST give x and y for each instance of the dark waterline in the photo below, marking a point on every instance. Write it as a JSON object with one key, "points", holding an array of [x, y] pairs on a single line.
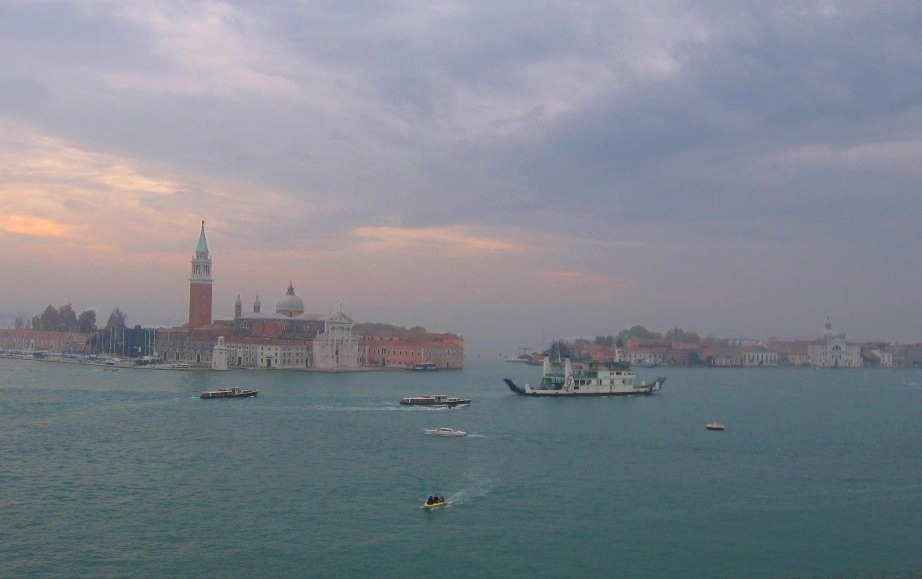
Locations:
{"points": [[129, 473]]}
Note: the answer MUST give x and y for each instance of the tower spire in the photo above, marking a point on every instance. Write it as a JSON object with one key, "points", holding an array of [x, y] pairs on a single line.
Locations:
{"points": [[202, 246]]}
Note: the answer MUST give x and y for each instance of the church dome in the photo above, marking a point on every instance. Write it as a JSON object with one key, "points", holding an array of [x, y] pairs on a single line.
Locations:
{"points": [[289, 305]]}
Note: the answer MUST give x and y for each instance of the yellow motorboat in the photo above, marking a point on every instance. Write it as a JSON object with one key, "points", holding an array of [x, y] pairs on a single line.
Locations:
{"points": [[435, 504]]}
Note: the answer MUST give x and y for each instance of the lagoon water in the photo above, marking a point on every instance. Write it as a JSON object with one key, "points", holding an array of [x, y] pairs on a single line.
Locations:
{"points": [[130, 474]]}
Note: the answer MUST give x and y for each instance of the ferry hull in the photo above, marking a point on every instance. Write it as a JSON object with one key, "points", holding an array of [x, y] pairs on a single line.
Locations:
{"points": [[514, 387], [438, 404], [527, 390]]}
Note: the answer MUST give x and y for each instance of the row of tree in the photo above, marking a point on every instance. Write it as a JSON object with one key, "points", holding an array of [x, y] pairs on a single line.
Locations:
{"points": [[62, 319], [639, 332], [66, 319]]}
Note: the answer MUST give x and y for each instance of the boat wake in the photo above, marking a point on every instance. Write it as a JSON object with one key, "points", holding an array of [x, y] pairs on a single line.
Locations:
{"points": [[474, 488], [362, 408]]}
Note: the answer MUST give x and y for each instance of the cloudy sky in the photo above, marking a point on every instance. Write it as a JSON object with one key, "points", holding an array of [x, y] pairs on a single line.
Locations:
{"points": [[504, 170]]}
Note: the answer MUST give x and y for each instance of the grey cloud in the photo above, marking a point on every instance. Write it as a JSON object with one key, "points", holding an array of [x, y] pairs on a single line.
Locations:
{"points": [[560, 116], [688, 147], [21, 94]]}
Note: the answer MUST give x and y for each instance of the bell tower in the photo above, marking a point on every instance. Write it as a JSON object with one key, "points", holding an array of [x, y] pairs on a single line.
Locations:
{"points": [[200, 285]]}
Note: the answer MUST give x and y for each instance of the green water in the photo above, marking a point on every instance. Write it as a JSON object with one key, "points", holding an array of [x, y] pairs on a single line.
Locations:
{"points": [[129, 474]]}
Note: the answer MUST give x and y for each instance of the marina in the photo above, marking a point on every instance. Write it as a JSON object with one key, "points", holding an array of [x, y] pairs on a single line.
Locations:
{"points": [[130, 475]]}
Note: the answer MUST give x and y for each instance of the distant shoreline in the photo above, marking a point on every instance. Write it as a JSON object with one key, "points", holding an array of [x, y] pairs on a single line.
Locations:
{"points": [[191, 367]]}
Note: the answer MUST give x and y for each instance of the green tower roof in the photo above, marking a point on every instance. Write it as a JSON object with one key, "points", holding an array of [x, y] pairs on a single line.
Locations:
{"points": [[202, 244]]}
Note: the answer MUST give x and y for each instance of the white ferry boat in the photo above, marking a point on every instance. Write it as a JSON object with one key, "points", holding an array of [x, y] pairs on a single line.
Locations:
{"points": [[562, 378]]}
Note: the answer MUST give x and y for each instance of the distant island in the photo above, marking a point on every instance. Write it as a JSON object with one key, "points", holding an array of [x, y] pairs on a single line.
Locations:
{"points": [[286, 336], [642, 347]]}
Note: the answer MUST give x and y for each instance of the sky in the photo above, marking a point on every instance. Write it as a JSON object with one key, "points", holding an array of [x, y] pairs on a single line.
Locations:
{"points": [[509, 171]]}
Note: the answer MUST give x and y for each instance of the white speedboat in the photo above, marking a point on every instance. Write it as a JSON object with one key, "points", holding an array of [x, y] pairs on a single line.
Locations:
{"points": [[444, 431], [714, 426]]}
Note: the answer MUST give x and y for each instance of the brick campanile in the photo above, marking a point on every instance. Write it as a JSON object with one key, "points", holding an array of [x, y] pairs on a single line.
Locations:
{"points": [[200, 285]]}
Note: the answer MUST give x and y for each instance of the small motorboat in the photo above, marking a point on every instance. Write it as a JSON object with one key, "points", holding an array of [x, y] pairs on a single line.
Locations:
{"points": [[434, 503], [715, 426], [435, 400], [444, 431], [228, 393]]}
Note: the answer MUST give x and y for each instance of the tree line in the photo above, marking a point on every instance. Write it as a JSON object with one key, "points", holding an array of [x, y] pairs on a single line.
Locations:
{"points": [[639, 332], [60, 319], [66, 319]]}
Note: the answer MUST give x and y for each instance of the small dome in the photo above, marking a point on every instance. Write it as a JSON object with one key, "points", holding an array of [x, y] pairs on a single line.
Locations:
{"points": [[289, 305]]}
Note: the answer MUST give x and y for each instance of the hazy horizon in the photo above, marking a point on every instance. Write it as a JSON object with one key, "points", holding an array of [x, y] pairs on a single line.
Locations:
{"points": [[501, 171]]}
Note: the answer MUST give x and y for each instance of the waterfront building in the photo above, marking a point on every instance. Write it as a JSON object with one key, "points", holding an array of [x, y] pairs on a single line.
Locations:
{"points": [[759, 356], [386, 346], [878, 356], [182, 345], [640, 357], [725, 357], [25, 339], [289, 337], [832, 351], [792, 352]]}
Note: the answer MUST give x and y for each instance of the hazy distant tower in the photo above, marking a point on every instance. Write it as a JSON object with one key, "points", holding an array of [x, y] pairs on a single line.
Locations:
{"points": [[200, 285]]}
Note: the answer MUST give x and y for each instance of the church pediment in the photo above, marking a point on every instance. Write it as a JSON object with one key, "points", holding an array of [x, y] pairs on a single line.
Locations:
{"points": [[339, 318]]}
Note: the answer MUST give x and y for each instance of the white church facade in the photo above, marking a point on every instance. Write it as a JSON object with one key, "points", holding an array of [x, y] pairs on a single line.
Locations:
{"points": [[832, 351]]}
